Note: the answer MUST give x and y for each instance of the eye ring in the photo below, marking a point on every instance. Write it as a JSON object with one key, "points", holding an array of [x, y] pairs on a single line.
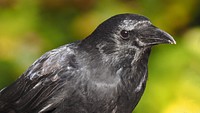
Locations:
{"points": [[124, 34]]}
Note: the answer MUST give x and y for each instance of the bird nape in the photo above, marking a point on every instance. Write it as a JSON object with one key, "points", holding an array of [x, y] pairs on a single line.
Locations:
{"points": [[104, 73]]}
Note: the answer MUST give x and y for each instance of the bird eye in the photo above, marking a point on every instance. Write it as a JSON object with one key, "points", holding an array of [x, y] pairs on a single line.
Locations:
{"points": [[124, 34]]}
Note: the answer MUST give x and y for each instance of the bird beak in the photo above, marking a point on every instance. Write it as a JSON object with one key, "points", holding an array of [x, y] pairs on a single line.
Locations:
{"points": [[153, 36]]}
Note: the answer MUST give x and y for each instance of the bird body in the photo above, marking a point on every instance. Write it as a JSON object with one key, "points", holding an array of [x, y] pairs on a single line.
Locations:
{"points": [[104, 73]]}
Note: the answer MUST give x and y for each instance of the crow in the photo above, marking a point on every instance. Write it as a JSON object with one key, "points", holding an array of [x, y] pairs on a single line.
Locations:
{"points": [[104, 73]]}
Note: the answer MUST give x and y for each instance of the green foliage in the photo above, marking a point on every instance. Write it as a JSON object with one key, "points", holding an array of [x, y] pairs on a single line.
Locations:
{"points": [[30, 28]]}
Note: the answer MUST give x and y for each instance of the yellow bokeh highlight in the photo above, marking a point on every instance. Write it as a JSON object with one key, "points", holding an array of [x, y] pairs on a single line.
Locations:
{"points": [[8, 47], [182, 105]]}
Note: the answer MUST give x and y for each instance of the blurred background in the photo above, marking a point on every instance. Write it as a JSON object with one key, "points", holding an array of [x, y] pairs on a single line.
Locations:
{"points": [[28, 28]]}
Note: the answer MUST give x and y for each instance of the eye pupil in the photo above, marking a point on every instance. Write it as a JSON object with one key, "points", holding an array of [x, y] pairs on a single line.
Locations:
{"points": [[124, 34]]}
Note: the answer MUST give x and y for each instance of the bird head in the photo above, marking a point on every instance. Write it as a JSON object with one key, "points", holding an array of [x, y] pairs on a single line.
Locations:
{"points": [[135, 29], [127, 31]]}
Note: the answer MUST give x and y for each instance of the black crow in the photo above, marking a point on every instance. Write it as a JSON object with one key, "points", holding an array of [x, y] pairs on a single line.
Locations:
{"points": [[104, 73]]}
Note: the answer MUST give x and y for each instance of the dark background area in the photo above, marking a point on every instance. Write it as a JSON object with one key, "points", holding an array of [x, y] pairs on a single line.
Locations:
{"points": [[28, 29]]}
